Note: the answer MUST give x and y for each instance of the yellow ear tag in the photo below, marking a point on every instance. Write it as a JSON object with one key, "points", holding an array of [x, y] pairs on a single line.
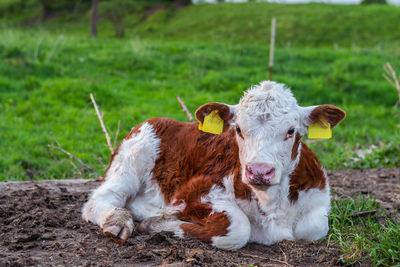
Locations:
{"points": [[212, 123], [316, 131]]}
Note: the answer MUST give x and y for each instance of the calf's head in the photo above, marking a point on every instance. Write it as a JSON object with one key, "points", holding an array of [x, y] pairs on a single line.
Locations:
{"points": [[269, 124]]}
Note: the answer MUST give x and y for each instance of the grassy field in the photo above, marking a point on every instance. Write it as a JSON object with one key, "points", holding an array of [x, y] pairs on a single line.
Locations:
{"points": [[46, 78], [304, 25], [298, 25], [202, 53]]}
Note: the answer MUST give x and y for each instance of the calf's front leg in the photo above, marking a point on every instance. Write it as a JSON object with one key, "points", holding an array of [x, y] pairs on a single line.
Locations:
{"points": [[313, 225], [129, 169], [106, 208]]}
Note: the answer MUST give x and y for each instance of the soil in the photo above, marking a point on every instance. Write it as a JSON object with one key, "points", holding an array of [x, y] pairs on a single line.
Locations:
{"points": [[40, 224]]}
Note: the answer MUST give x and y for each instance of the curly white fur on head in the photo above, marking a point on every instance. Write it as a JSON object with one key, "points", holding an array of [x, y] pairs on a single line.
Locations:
{"points": [[267, 98]]}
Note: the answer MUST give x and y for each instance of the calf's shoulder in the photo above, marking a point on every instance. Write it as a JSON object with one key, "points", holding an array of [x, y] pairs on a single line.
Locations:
{"points": [[308, 174], [186, 152]]}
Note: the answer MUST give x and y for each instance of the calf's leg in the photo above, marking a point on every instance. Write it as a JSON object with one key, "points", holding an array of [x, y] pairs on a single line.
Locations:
{"points": [[213, 217], [106, 206], [130, 169], [313, 225], [168, 223], [220, 229]]}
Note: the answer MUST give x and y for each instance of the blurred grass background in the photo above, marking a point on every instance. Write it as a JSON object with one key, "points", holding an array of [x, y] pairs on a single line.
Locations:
{"points": [[325, 53]]}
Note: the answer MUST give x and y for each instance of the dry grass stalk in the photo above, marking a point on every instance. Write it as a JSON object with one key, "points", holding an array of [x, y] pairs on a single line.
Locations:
{"points": [[54, 49], [76, 168], [390, 75], [36, 53], [363, 213], [272, 48], [266, 258], [284, 255], [184, 108], [70, 155], [116, 134], [103, 127], [59, 148]]}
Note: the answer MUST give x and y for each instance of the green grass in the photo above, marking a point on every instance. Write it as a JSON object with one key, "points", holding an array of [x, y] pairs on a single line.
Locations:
{"points": [[297, 24], [46, 79], [372, 237], [204, 53]]}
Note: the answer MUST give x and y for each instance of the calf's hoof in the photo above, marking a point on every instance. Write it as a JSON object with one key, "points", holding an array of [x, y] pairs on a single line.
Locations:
{"points": [[119, 225]]}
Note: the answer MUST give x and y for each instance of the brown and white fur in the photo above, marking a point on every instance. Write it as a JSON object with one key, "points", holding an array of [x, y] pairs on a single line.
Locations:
{"points": [[255, 182]]}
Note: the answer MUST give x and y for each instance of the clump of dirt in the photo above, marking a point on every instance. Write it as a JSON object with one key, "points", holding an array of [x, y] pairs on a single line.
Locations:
{"points": [[40, 224]]}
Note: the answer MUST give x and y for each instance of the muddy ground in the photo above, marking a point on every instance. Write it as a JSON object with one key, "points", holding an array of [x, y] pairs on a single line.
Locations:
{"points": [[40, 224]]}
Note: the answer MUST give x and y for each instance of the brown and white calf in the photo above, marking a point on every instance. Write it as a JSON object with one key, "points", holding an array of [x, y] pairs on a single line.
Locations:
{"points": [[255, 182]]}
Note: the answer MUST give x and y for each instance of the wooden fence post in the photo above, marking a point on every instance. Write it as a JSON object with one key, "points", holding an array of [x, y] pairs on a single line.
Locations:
{"points": [[272, 47], [93, 18]]}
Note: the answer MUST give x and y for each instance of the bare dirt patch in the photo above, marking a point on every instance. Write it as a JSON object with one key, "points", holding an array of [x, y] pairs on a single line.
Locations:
{"points": [[382, 184], [40, 224]]}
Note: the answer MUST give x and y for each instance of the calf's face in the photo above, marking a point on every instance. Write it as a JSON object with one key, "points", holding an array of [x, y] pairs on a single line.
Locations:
{"points": [[269, 124]]}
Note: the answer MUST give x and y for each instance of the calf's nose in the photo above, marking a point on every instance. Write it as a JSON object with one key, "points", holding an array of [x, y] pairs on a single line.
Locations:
{"points": [[260, 168], [259, 173]]}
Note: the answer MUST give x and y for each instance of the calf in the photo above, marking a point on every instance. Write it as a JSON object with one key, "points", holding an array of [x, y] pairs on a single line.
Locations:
{"points": [[255, 182]]}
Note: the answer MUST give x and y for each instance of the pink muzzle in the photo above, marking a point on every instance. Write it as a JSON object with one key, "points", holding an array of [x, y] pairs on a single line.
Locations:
{"points": [[260, 174]]}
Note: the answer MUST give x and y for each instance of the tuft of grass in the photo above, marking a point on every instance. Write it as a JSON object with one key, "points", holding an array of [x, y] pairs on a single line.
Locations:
{"points": [[374, 238]]}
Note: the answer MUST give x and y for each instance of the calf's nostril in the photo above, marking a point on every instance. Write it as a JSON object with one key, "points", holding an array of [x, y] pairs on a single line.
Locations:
{"points": [[270, 171], [249, 170]]}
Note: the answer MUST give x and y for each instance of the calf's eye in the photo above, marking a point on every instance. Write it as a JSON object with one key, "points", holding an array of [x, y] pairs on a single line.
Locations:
{"points": [[289, 133], [238, 129], [239, 132]]}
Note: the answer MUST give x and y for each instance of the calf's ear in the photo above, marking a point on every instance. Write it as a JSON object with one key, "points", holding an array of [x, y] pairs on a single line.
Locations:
{"points": [[225, 112], [315, 114]]}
